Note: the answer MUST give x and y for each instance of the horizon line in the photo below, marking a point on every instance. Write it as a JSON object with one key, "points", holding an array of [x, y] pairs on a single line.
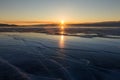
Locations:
{"points": [[49, 22]]}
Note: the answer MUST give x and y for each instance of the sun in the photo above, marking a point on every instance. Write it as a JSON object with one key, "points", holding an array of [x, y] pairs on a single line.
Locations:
{"points": [[62, 22]]}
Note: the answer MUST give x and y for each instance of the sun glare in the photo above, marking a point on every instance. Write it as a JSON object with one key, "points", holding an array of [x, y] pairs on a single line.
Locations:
{"points": [[62, 22], [62, 27]]}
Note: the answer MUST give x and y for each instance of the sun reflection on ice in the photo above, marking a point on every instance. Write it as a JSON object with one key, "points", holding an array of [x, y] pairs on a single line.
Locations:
{"points": [[61, 43], [62, 29], [62, 32], [61, 46]]}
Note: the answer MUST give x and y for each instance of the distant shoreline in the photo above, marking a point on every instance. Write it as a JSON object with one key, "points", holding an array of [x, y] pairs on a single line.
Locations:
{"points": [[96, 24]]}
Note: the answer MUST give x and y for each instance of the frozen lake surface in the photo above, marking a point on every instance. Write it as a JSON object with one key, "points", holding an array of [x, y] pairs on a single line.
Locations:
{"points": [[37, 56]]}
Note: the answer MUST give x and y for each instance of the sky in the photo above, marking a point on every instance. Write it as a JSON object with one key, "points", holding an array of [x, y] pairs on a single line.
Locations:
{"points": [[50, 11]]}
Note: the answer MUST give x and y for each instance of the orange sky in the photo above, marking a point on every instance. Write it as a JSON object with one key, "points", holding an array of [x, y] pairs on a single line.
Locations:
{"points": [[24, 12], [27, 22], [46, 22]]}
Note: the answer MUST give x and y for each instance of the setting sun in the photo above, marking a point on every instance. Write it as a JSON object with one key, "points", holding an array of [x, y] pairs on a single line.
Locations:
{"points": [[62, 22], [59, 39]]}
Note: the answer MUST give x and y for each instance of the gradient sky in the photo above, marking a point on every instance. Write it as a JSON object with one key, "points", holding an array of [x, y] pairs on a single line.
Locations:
{"points": [[28, 11]]}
